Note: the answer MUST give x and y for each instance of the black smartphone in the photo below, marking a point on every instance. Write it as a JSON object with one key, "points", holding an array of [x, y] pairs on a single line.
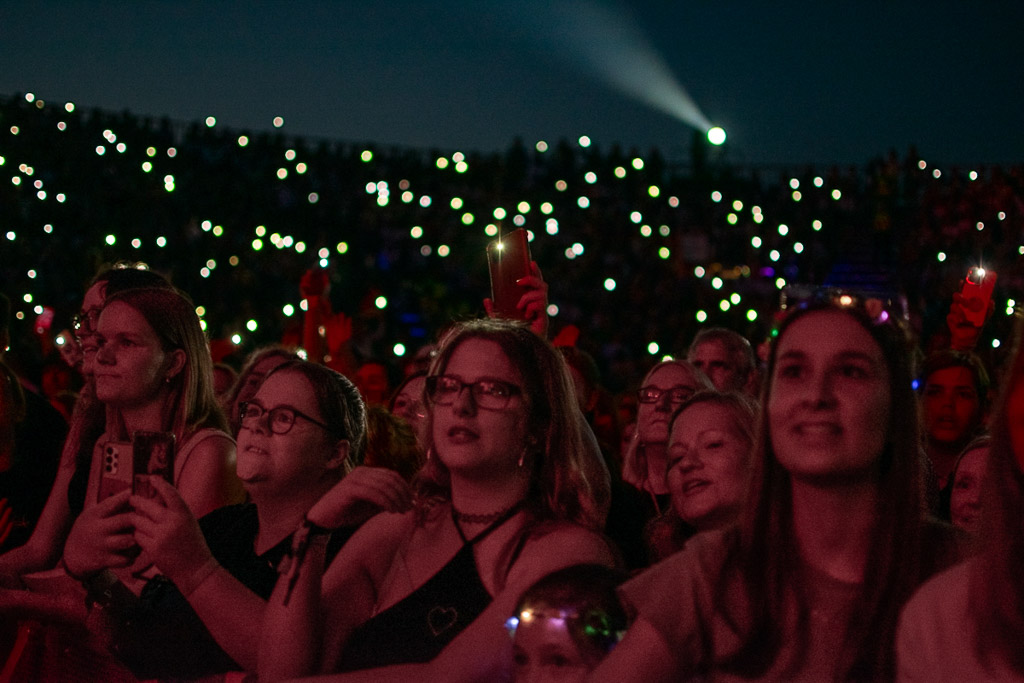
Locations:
{"points": [[152, 455], [508, 260]]}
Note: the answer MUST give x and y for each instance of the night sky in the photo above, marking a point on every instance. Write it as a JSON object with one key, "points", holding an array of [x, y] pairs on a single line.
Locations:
{"points": [[814, 82]]}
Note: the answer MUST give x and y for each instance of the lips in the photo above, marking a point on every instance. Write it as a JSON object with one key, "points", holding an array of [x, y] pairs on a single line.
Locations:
{"points": [[693, 485], [461, 435], [817, 428]]}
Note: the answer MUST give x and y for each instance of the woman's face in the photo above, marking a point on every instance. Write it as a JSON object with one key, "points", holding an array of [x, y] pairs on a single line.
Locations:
{"points": [[829, 401], [130, 364], [708, 458], [410, 406], [254, 378], [951, 408], [472, 438], [965, 496], [545, 652], [284, 464], [652, 418]]}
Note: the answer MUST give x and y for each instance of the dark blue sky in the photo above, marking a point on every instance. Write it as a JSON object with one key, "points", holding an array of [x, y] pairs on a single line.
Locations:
{"points": [[807, 82]]}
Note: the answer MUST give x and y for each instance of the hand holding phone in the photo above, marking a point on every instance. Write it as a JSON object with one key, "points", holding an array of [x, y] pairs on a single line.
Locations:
{"points": [[116, 471], [152, 455], [508, 260], [976, 294]]}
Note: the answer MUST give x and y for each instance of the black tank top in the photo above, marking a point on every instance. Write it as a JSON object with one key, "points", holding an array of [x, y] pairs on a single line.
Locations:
{"points": [[416, 628]]}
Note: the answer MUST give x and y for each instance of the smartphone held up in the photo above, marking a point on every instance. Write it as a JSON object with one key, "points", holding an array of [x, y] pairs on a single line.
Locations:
{"points": [[976, 294], [508, 260], [152, 455]]}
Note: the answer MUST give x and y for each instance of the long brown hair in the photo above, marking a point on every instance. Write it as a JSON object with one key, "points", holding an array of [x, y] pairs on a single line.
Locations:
{"points": [[192, 404], [766, 553], [562, 485], [996, 590]]}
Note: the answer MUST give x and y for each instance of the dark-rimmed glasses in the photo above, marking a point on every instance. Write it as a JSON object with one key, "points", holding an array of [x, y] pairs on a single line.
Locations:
{"points": [[84, 322], [653, 394], [280, 419], [489, 394]]}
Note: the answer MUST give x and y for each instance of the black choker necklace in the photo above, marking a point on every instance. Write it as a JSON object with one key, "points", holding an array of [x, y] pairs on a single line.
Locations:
{"points": [[487, 518]]}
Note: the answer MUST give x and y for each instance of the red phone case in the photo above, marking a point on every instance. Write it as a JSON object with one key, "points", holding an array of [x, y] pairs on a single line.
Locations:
{"points": [[508, 260], [977, 292]]}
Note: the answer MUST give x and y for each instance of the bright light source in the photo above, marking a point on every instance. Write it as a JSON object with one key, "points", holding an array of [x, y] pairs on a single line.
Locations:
{"points": [[716, 135]]}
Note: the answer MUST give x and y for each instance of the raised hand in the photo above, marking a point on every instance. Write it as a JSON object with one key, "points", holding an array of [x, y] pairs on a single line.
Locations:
{"points": [[363, 492], [963, 334], [533, 303], [314, 282]]}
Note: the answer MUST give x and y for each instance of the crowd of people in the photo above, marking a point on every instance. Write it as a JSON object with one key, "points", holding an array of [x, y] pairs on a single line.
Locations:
{"points": [[829, 489], [680, 238]]}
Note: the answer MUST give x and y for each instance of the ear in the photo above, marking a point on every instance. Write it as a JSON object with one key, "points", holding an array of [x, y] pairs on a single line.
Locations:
{"points": [[339, 457], [175, 363]]}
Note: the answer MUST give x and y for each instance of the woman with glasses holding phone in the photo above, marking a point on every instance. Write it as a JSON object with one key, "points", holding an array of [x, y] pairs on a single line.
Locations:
{"points": [[301, 435], [832, 540], [68, 496], [503, 500]]}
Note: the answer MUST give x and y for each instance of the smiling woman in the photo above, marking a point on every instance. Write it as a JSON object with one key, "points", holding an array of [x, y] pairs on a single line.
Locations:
{"points": [[709, 457], [831, 541], [507, 496]]}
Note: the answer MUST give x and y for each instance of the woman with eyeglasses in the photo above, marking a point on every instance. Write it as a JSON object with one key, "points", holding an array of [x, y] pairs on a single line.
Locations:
{"points": [[832, 540], [504, 499], [153, 373], [645, 526], [665, 387], [301, 435], [68, 496]]}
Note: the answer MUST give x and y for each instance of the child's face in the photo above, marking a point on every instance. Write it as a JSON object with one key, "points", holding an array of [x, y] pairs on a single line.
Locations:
{"points": [[544, 650]]}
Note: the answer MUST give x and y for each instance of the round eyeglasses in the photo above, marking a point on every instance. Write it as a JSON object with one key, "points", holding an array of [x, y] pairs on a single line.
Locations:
{"points": [[489, 394], [281, 419]]}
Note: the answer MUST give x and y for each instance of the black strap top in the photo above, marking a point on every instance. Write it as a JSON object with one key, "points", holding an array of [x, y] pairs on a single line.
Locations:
{"points": [[416, 628]]}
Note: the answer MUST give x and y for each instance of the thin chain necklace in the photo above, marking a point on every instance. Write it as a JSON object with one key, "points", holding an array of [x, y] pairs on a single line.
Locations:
{"points": [[470, 518]]}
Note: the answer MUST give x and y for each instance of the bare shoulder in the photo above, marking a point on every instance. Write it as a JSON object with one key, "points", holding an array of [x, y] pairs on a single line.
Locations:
{"points": [[372, 548], [205, 472], [555, 545]]}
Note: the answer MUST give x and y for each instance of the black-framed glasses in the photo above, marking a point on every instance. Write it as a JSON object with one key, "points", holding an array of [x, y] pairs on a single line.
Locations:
{"points": [[653, 394], [85, 321], [489, 394], [281, 419]]}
